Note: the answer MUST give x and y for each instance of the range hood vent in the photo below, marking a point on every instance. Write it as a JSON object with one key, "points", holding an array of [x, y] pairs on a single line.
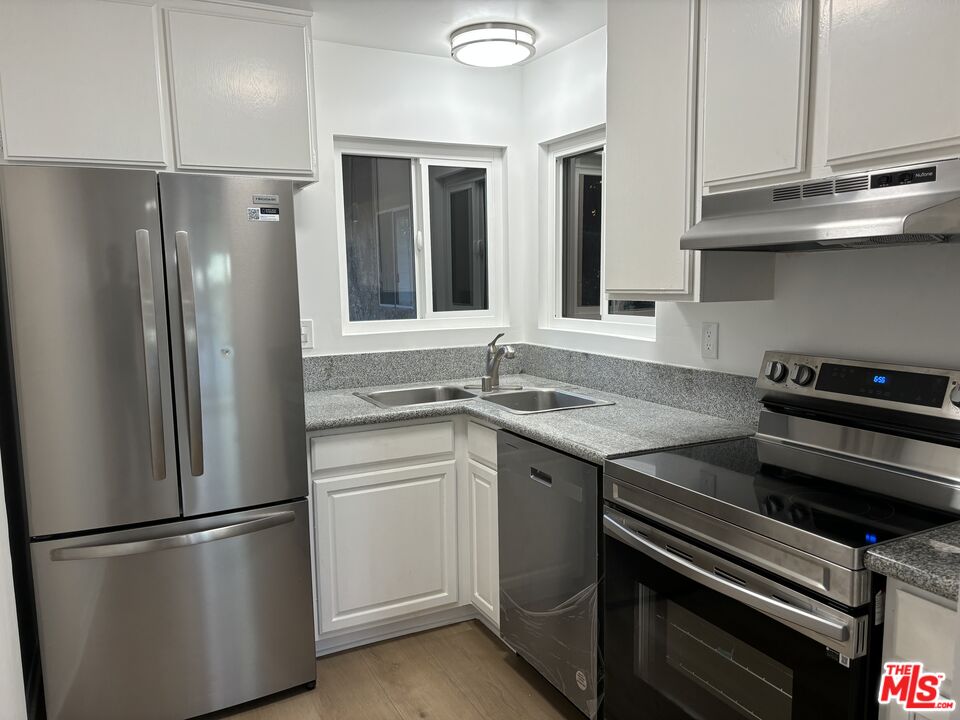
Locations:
{"points": [[907, 205]]}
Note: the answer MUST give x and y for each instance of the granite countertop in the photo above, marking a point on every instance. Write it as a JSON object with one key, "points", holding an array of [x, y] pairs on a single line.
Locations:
{"points": [[929, 560], [594, 434]]}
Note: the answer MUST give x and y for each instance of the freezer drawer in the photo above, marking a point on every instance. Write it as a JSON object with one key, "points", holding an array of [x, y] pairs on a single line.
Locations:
{"points": [[548, 520], [176, 620]]}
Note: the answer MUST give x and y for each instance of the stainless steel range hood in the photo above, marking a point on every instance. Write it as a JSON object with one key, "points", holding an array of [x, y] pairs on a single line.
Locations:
{"points": [[911, 204]]}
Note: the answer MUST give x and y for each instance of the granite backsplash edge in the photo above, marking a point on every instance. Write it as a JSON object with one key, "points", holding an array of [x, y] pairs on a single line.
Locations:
{"points": [[705, 391]]}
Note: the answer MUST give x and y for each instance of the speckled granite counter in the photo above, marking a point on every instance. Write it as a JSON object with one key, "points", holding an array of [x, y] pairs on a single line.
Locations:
{"points": [[929, 560], [594, 434]]}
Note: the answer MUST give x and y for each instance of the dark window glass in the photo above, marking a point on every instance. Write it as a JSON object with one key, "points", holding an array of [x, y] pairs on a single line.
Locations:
{"points": [[458, 238], [378, 214]]}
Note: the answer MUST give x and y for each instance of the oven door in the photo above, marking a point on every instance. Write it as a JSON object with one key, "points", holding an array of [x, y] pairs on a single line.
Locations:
{"points": [[691, 635]]}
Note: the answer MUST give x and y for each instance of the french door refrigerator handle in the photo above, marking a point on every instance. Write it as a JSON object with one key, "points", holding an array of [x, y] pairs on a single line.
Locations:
{"points": [[140, 547], [151, 355], [191, 353], [770, 606]]}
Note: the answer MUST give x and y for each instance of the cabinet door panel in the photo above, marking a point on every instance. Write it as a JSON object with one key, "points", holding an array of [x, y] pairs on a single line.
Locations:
{"points": [[386, 544], [80, 81], [893, 70], [240, 93], [755, 71], [648, 181], [484, 546]]}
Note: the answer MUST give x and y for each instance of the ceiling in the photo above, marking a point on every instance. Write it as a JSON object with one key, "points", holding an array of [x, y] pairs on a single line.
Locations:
{"points": [[424, 26]]}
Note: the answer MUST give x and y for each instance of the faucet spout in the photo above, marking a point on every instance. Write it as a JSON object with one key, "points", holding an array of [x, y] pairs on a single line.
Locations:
{"points": [[495, 354]]}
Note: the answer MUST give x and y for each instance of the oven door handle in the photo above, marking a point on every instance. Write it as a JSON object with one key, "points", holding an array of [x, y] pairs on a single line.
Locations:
{"points": [[767, 605]]}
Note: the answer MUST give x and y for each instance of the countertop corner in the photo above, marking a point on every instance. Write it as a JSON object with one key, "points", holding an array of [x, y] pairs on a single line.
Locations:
{"points": [[929, 560]]}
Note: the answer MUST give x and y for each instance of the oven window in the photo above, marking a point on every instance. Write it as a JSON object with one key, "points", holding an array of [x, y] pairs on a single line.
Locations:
{"points": [[682, 651], [749, 682]]}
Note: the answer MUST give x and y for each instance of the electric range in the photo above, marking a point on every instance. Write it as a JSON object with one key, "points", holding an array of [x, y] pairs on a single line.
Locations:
{"points": [[735, 578]]}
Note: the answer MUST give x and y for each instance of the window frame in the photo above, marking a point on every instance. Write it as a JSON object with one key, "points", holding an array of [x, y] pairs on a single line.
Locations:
{"points": [[424, 155], [552, 155]]}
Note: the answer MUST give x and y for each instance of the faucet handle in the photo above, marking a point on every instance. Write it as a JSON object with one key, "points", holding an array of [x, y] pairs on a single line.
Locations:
{"points": [[493, 343]]}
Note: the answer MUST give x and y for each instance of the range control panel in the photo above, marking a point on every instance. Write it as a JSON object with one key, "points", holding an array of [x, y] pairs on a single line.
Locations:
{"points": [[927, 391]]}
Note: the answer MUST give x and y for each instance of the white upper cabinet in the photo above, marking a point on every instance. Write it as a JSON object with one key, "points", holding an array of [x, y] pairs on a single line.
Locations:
{"points": [[649, 182], [755, 66], [241, 92], [893, 69], [649, 175], [80, 82]]}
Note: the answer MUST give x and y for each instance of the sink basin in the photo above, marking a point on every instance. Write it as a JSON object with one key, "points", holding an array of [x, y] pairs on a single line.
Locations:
{"points": [[539, 400], [416, 396]]}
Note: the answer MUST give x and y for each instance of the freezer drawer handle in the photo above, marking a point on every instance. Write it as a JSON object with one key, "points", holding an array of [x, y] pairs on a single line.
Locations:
{"points": [[151, 356], [767, 605], [140, 547], [191, 353]]}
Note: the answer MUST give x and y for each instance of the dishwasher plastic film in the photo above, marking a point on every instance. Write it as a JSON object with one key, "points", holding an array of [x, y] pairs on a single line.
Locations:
{"points": [[562, 643]]}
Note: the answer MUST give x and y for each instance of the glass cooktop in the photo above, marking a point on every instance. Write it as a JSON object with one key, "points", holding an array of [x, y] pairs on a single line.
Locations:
{"points": [[734, 473]]}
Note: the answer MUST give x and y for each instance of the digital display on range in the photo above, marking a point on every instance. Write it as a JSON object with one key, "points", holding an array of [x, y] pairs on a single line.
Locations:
{"points": [[893, 385]]}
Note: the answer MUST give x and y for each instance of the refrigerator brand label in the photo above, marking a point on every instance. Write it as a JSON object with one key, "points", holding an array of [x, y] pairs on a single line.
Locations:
{"points": [[263, 214], [266, 199]]}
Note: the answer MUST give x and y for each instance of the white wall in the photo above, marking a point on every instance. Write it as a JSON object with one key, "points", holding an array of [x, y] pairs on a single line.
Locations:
{"points": [[897, 304], [373, 93]]}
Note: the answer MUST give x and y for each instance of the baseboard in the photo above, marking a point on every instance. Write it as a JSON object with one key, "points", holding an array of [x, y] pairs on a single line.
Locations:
{"points": [[488, 624], [348, 640]]}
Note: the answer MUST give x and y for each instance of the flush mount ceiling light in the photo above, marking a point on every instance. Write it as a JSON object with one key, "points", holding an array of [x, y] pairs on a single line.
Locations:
{"points": [[492, 44]]}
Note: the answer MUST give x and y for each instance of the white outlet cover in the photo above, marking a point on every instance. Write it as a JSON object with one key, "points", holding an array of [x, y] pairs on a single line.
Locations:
{"points": [[306, 334], [710, 341]]}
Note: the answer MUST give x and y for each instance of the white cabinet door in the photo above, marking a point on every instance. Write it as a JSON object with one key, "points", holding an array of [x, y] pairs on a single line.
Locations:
{"points": [[386, 543], [893, 69], [484, 545], [241, 93], [754, 78], [919, 627], [648, 180], [80, 82]]}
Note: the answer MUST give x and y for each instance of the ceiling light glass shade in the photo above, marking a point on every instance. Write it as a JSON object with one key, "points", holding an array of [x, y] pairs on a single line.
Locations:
{"points": [[492, 44]]}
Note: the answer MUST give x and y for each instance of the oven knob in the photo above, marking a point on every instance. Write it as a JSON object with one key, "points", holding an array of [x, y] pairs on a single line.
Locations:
{"points": [[803, 375], [955, 395], [775, 371]]}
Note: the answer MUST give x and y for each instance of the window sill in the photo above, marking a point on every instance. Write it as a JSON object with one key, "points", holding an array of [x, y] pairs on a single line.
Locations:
{"points": [[388, 327], [639, 330]]}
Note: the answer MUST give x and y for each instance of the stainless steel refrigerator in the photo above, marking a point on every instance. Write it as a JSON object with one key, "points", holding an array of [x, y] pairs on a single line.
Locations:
{"points": [[152, 330]]}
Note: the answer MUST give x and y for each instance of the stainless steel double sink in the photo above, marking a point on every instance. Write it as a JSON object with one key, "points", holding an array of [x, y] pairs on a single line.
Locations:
{"points": [[525, 401]]}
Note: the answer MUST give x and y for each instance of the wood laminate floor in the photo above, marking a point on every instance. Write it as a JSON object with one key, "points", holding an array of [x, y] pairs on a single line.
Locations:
{"points": [[459, 672]]}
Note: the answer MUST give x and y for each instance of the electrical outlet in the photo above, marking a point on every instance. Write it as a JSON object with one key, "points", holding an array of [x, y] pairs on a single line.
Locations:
{"points": [[306, 334], [709, 340]]}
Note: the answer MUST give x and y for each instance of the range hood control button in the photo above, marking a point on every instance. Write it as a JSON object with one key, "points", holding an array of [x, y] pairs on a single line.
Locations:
{"points": [[803, 375], [775, 371]]}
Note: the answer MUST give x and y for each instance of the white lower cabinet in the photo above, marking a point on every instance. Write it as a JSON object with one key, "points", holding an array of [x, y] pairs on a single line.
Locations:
{"points": [[387, 543], [920, 627], [485, 559], [405, 526]]}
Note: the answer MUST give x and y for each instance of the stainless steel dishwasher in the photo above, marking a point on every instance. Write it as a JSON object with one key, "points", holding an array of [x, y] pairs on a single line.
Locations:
{"points": [[549, 564]]}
